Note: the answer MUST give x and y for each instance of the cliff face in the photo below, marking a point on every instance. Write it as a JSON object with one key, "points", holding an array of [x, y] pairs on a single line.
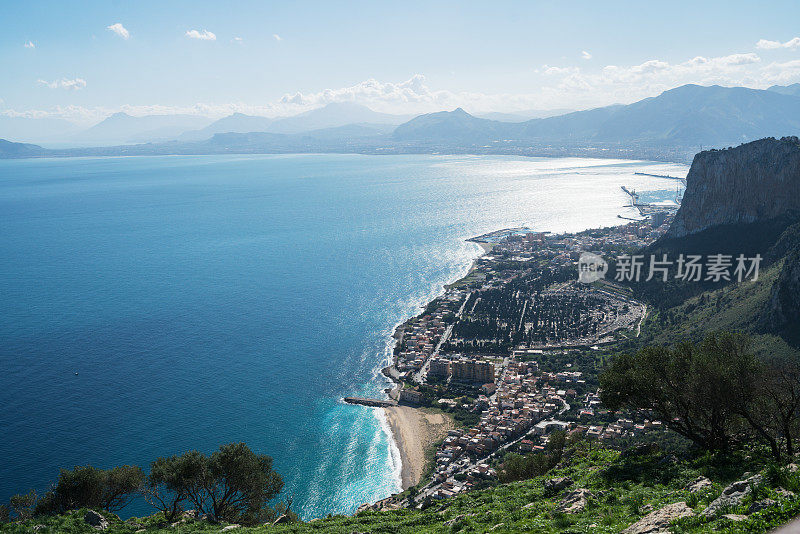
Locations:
{"points": [[782, 314], [749, 183]]}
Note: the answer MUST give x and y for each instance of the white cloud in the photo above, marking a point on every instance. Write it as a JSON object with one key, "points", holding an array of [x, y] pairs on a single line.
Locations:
{"points": [[559, 87], [277, 37], [64, 83], [238, 40], [586, 55], [550, 71], [120, 30], [577, 87], [764, 44], [29, 44], [204, 35]]}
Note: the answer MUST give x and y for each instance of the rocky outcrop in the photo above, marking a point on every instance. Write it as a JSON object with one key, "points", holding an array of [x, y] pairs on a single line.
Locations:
{"points": [[752, 182], [96, 520], [658, 521], [699, 484], [760, 505], [554, 485], [782, 313], [732, 495], [575, 501]]}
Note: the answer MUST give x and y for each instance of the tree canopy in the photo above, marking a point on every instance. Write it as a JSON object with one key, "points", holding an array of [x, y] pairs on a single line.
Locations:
{"points": [[715, 392]]}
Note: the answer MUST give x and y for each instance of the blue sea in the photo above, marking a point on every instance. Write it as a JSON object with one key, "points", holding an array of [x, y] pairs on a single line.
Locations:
{"points": [[155, 305]]}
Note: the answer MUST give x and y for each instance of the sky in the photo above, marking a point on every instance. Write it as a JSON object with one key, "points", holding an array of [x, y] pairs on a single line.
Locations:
{"points": [[85, 60]]}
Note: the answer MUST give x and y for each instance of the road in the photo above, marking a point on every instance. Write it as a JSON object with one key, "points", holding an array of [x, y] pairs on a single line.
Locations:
{"points": [[420, 376]]}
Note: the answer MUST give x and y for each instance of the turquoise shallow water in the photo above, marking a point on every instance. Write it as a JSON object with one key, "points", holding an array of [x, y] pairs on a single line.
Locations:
{"points": [[210, 299]]}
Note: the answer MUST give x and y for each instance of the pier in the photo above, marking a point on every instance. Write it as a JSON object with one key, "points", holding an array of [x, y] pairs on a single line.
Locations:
{"points": [[633, 195], [374, 403], [683, 180]]}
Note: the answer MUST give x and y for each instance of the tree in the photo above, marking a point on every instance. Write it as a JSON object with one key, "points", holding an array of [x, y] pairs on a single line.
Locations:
{"points": [[234, 484], [164, 488], [780, 387], [23, 505], [120, 486], [90, 487], [518, 467], [774, 411], [697, 390]]}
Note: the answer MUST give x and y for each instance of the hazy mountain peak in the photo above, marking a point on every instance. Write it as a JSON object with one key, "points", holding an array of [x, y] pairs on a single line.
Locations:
{"points": [[791, 90]]}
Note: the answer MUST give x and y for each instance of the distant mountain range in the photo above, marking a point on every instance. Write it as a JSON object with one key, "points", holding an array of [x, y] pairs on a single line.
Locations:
{"points": [[689, 115], [793, 89], [525, 115], [38, 130], [123, 128], [671, 126], [333, 115]]}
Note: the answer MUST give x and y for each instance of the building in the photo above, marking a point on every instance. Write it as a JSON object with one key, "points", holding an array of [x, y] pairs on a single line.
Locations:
{"points": [[472, 371], [439, 367], [410, 396]]}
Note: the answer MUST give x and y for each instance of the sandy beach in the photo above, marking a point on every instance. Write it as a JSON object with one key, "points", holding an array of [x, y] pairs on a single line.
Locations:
{"points": [[415, 430]]}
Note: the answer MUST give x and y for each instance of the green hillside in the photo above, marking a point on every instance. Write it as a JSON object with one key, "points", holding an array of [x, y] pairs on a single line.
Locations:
{"points": [[620, 490]]}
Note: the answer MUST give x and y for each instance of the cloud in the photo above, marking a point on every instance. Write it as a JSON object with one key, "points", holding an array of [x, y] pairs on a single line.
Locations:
{"points": [[586, 55], [64, 83], [764, 44], [277, 37], [29, 44], [204, 35], [550, 71], [120, 30], [238, 40], [558, 87]]}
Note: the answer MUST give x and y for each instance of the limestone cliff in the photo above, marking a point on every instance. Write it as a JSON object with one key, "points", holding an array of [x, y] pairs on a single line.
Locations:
{"points": [[752, 182]]}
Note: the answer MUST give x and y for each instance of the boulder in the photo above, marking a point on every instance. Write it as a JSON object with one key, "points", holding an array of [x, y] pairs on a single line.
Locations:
{"points": [[732, 495], [575, 501], [698, 484], [658, 521], [760, 505], [555, 485], [231, 527], [96, 520]]}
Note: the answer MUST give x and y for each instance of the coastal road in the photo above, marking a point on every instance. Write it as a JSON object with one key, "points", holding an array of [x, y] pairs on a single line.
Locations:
{"points": [[420, 376]]}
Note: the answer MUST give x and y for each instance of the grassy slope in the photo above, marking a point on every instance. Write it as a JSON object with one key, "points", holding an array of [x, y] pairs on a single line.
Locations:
{"points": [[735, 307], [624, 490]]}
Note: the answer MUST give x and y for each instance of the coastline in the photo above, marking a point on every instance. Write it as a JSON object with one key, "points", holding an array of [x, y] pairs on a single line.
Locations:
{"points": [[414, 431]]}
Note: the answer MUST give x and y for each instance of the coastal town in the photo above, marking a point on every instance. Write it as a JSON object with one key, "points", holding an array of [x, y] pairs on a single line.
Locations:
{"points": [[510, 351]]}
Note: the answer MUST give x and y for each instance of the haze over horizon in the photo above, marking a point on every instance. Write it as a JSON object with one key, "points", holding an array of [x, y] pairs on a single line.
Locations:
{"points": [[277, 60]]}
